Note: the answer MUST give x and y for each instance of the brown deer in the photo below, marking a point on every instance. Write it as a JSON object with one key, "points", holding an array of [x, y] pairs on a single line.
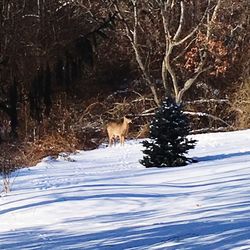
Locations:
{"points": [[118, 129]]}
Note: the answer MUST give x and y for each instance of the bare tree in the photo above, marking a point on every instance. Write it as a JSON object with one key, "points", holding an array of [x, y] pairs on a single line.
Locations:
{"points": [[190, 40]]}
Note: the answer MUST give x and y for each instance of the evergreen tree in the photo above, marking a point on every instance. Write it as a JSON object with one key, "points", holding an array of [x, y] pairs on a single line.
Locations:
{"points": [[168, 137]]}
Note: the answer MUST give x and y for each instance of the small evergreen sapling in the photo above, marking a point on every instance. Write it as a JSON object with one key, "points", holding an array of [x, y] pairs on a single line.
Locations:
{"points": [[168, 137]]}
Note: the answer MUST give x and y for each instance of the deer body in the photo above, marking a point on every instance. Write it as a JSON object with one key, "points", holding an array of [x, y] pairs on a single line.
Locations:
{"points": [[118, 130]]}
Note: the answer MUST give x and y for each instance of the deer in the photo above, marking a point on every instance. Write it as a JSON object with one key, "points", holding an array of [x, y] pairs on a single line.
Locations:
{"points": [[118, 129]]}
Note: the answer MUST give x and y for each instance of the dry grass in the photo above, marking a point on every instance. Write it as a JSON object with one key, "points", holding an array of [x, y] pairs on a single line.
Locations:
{"points": [[12, 157], [50, 145], [143, 132], [242, 105]]}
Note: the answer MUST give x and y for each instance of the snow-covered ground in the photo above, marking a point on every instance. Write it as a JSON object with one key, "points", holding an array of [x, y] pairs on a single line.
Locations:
{"points": [[107, 200]]}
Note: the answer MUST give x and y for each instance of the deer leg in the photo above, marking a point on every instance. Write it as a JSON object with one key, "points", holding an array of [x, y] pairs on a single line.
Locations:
{"points": [[111, 140], [122, 140]]}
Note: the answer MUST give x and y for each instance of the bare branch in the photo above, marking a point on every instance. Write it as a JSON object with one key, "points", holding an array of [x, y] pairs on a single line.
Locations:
{"points": [[128, 31], [178, 32], [184, 50], [171, 70], [133, 38], [165, 24], [190, 81], [214, 15], [164, 74], [176, 43]]}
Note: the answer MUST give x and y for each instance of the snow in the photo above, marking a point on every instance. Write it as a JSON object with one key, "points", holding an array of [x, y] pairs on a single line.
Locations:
{"points": [[105, 199]]}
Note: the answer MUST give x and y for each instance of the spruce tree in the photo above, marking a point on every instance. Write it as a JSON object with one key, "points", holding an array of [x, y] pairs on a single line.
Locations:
{"points": [[168, 137]]}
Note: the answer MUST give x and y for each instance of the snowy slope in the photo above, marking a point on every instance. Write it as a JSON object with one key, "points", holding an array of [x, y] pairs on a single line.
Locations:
{"points": [[107, 200]]}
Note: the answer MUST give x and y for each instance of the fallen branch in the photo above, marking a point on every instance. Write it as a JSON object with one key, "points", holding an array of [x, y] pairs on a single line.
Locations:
{"points": [[202, 114], [208, 101], [206, 130]]}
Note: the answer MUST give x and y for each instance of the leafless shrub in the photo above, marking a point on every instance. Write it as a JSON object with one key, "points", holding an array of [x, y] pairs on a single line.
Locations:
{"points": [[12, 157], [51, 144]]}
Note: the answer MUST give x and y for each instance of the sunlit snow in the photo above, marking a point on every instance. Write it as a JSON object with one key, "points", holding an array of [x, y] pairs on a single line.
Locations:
{"points": [[106, 200]]}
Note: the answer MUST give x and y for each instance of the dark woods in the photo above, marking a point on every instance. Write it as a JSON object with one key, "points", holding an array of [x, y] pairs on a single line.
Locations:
{"points": [[43, 49]]}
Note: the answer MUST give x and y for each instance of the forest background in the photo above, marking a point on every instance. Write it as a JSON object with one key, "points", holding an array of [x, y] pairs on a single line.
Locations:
{"points": [[69, 66]]}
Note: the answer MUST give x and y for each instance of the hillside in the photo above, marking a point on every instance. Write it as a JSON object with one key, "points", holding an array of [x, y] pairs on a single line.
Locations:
{"points": [[104, 199]]}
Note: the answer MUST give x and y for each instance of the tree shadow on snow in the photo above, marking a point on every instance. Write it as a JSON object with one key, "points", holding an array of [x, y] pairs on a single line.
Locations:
{"points": [[221, 156], [178, 235]]}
